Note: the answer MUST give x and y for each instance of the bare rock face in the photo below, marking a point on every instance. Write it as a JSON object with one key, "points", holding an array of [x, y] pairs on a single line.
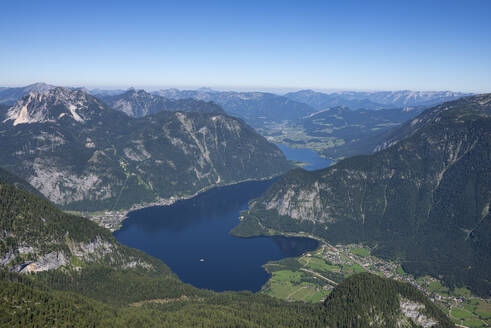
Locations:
{"points": [[97, 250], [49, 261], [7, 257], [62, 185], [50, 106], [414, 312]]}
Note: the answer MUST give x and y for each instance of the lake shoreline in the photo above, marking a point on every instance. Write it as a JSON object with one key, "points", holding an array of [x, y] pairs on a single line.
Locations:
{"points": [[113, 220]]}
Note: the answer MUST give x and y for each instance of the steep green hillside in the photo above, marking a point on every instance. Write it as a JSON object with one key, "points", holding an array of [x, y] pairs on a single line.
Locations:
{"points": [[424, 200], [360, 301], [83, 155], [366, 300], [38, 237], [11, 179]]}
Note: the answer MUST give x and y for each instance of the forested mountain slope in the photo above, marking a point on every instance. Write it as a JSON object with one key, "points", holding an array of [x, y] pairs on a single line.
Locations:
{"points": [[424, 200], [366, 300], [81, 276]]}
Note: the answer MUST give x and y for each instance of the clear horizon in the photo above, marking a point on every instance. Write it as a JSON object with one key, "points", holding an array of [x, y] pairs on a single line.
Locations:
{"points": [[251, 46]]}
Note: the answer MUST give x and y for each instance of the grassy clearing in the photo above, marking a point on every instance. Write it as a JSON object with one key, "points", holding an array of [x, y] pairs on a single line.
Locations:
{"points": [[286, 276], [473, 323], [460, 314], [474, 314], [281, 290], [484, 310], [290, 285], [461, 292], [361, 252], [437, 288], [349, 270], [317, 264], [290, 282]]}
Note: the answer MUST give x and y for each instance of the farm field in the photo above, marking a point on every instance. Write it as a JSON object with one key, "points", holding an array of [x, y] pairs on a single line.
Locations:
{"points": [[312, 276]]}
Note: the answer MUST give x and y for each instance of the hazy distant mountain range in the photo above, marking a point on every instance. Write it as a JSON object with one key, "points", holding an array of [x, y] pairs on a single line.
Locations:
{"points": [[374, 100], [337, 125], [231, 99], [256, 108]]}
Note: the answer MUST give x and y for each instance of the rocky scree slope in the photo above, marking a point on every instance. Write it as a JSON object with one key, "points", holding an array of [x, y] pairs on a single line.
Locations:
{"points": [[82, 155], [424, 200]]}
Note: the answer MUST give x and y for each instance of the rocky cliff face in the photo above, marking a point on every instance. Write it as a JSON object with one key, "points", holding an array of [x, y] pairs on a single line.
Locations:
{"points": [[83, 155], [421, 199], [52, 105]]}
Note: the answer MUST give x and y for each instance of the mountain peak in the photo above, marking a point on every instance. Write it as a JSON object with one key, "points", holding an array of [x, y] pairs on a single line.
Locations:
{"points": [[205, 89], [50, 106], [39, 86]]}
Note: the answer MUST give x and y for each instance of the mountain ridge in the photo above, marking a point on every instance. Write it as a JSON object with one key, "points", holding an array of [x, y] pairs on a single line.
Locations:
{"points": [[139, 103], [52, 105], [10, 95], [254, 107], [78, 151]]}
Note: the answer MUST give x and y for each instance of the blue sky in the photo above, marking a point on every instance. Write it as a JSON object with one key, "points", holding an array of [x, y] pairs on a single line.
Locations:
{"points": [[263, 45]]}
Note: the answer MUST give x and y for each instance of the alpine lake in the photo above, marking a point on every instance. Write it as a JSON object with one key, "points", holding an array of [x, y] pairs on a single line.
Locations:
{"points": [[192, 236]]}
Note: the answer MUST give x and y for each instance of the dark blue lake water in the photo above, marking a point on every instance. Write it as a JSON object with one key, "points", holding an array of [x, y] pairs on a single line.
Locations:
{"points": [[192, 236], [190, 230], [305, 155]]}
